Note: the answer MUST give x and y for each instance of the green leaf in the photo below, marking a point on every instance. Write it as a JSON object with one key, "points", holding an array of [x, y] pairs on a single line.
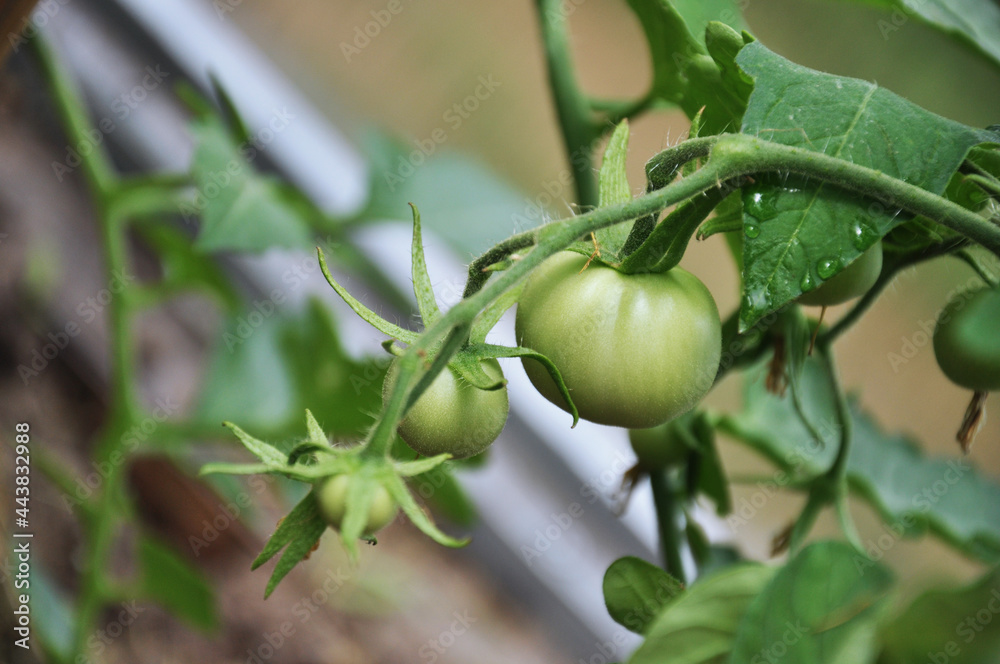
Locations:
{"points": [[240, 209], [422, 289], [772, 425], [635, 591], [953, 625], [911, 491], [820, 608], [684, 73], [974, 23], [614, 189], [699, 626], [799, 233], [291, 361], [949, 496], [172, 582], [372, 318], [299, 532], [184, 268]]}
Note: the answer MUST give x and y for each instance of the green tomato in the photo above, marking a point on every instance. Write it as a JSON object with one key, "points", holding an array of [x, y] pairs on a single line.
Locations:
{"points": [[331, 497], [967, 340], [658, 447], [452, 416], [854, 280], [635, 350]]}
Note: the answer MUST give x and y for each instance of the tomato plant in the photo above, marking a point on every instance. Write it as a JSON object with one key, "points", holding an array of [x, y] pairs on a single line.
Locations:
{"points": [[825, 188], [635, 350]]}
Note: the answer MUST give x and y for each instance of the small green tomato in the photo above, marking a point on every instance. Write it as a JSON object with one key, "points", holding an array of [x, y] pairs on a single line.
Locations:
{"points": [[967, 340], [331, 496], [658, 447], [452, 416]]}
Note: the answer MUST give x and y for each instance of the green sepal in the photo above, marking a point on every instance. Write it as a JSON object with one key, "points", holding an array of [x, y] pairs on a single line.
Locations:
{"points": [[373, 319], [316, 434], [728, 218], [665, 246], [495, 351], [466, 364], [397, 489], [690, 167], [418, 466], [492, 314], [422, 289], [614, 190], [360, 495], [237, 469], [298, 531], [266, 452], [305, 448]]}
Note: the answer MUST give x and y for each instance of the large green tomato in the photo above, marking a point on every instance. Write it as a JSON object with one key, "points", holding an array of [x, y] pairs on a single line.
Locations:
{"points": [[635, 350], [967, 340], [331, 497], [854, 280], [452, 416]]}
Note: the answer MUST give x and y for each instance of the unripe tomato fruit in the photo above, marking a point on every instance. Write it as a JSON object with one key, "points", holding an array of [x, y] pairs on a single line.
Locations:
{"points": [[658, 447], [635, 350], [452, 416], [331, 496], [967, 340], [854, 280]]}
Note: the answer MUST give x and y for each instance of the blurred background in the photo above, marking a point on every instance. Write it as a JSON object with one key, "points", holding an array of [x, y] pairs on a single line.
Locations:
{"points": [[472, 73]]}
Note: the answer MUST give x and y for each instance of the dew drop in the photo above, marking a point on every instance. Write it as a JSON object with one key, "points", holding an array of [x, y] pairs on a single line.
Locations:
{"points": [[760, 203], [757, 300], [752, 230], [864, 234], [807, 283], [827, 268]]}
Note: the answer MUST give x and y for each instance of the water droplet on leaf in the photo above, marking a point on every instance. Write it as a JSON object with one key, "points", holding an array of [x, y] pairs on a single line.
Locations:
{"points": [[807, 283], [864, 234], [760, 203], [827, 268], [752, 229]]}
